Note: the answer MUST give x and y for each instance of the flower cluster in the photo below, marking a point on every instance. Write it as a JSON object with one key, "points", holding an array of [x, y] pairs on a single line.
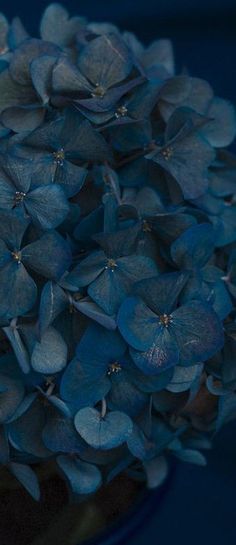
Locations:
{"points": [[117, 255]]}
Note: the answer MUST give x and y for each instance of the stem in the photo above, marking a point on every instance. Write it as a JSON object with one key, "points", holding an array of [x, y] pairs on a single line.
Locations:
{"points": [[13, 322], [104, 408], [112, 184]]}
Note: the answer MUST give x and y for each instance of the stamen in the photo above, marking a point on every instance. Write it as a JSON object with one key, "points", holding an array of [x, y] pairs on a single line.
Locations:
{"points": [[99, 91], [166, 153], [59, 157], [114, 368], [19, 197], [165, 320], [121, 112], [16, 256], [111, 264], [146, 227]]}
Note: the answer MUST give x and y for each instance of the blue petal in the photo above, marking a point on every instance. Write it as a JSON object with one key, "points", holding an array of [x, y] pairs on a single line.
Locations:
{"points": [[12, 229], [50, 354], [100, 347], [161, 293], [29, 50], [125, 397], [11, 395], [108, 290], [83, 384], [84, 478], [21, 118], [137, 323], [57, 27], [47, 205], [112, 61], [156, 471], [49, 256], [18, 290], [161, 354], [26, 432], [221, 129], [88, 269], [41, 73], [18, 347], [103, 432], [53, 302], [194, 247], [198, 332], [93, 311], [27, 477], [59, 435]]}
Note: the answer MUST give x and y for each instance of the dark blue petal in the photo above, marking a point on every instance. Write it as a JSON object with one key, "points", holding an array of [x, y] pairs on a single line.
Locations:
{"points": [[41, 74], [162, 353], [108, 290], [194, 247], [88, 269], [49, 256], [66, 78], [80, 387], [25, 54], [71, 177], [161, 293], [47, 205], [27, 477], [13, 94], [18, 290], [21, 118], [12, 229], [11, 395], [156, 471], [57, 27], [137, 323], [221, 129], [53, 302], [84, 478], [99, 347], [93, 311], [19, 348], [112, 61], [125, 397], [26, 432], [60, 435]]}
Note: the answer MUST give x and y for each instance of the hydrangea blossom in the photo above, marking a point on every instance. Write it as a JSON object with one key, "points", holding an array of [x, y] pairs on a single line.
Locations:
{"points": [[117, 255]]}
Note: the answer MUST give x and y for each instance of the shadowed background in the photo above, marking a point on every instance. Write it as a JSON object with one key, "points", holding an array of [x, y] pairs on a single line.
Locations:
{"points": [[200, 505]]}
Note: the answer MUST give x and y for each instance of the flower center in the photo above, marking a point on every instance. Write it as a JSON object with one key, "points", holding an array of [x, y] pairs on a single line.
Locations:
{"points": [[114, 368], [166, 153], [111, 264], [121, 111], [165, 320], [146, 227], [99, 91], [16, 256], [19, 197], [3, 50], [59, 156]]}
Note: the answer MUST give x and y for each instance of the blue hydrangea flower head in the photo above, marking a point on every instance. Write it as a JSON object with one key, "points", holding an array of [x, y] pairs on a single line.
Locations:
{"points": [[117, 255]]}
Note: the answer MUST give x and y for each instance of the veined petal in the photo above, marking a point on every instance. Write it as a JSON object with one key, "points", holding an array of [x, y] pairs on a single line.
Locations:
{"points": [[47, 205], [137, 323], [162, 354], [18, 291], [198, 332]]}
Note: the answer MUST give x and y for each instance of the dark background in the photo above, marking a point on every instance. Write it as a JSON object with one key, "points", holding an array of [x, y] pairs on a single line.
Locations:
{"points": [[200, 506]]}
